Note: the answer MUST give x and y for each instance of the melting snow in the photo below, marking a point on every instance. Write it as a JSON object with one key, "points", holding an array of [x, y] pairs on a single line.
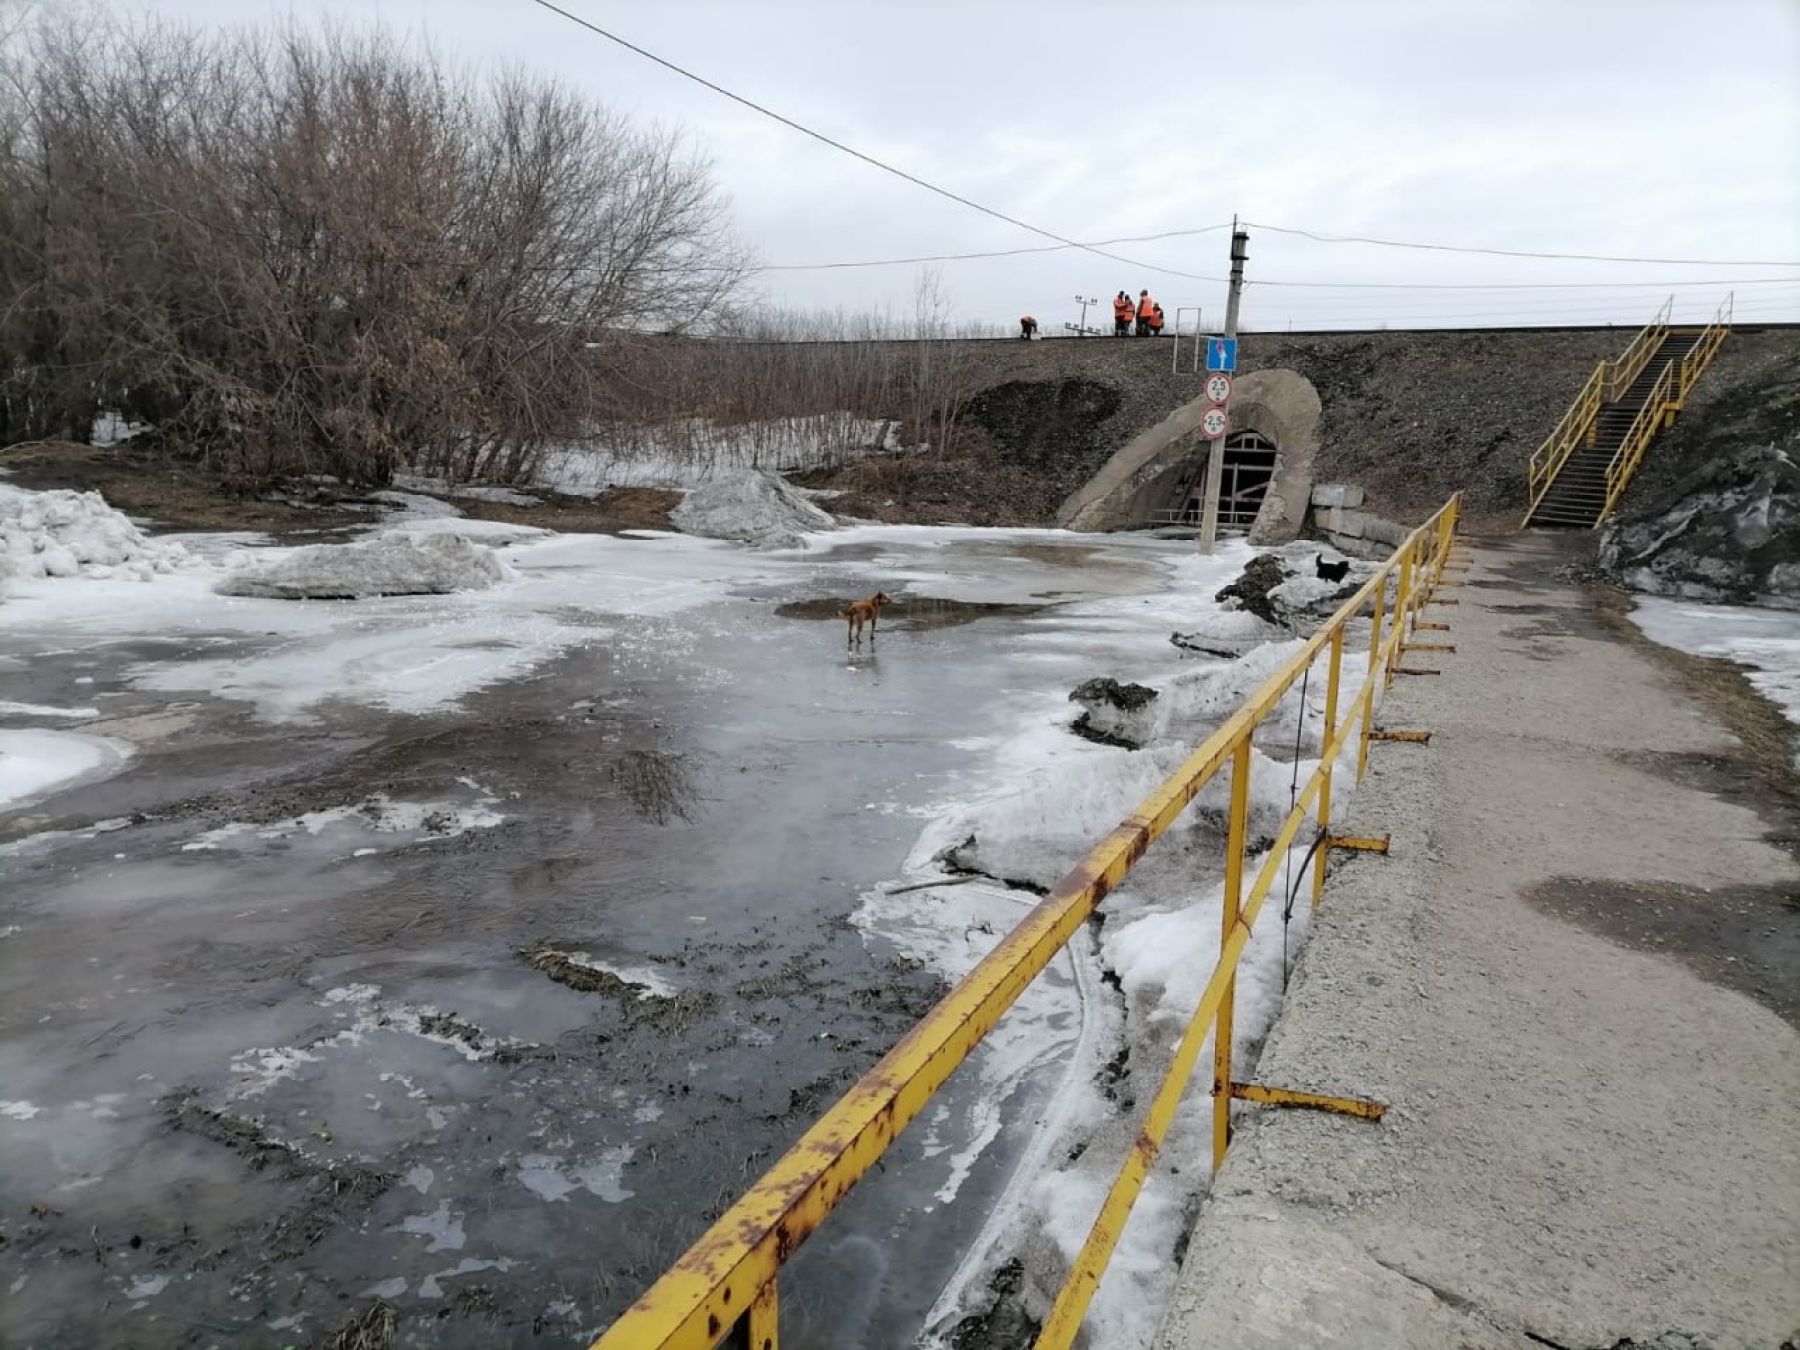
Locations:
{"points": [[1766, 640], [35, 763], [443, 1228], [378, 815], [8, 709], [549, 1176], [76, 534]]}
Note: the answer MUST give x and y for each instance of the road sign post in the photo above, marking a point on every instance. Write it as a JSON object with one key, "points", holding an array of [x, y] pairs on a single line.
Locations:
{"points": [[1222, 351]]}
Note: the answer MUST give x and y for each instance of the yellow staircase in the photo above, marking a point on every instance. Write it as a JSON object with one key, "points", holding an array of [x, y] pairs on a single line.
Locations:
{"points": [[1582, 469]]}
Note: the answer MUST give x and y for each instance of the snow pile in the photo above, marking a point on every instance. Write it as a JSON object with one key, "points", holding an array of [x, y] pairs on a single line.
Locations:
{"points": [[397, 563], [1145, 967], [477, 492], [34, 763], [76, 534], [494, 533], [1284, 587], [751, 505], [1227, 633], [1765, 640], [693, 451]]}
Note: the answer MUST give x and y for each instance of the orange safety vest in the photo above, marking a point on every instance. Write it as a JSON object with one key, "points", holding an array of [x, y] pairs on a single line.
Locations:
{"points": [[1156, 319], [1122, 307], [1146, 307]]}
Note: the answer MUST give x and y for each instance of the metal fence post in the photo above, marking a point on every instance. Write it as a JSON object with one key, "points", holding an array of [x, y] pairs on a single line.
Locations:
{"points": [[1368, 716], [1401, 599], [758, 1328], [1228, 919], [1328, 753]]}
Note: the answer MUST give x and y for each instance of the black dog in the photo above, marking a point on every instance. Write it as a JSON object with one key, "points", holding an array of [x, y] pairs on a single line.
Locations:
{"points": [[1336, 571]]}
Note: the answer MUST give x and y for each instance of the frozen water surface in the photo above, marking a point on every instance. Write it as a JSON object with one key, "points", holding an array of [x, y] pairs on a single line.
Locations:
{"points": [[372, 953]]}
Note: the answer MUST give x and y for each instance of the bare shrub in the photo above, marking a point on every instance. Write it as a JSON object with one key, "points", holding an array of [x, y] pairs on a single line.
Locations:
{"points": [[317, 252], [764, 381]]}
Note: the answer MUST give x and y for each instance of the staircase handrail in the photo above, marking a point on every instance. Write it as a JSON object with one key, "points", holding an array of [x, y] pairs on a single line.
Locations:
{"points": [[1638, 436], [1608, 380], [1622, 372], [1700, 355], [1547, 460]]}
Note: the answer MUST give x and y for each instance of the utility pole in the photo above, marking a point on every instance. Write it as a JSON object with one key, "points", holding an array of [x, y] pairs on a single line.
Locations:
{"points": [[1215, 455], [1084, 301]]}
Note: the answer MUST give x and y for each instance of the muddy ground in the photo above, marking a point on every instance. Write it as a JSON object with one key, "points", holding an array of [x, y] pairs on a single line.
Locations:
{"points": [[477, 1085], [169, 493]]}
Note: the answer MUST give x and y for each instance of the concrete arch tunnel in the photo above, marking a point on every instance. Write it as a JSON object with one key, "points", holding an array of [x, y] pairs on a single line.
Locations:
{"points": [[1270, 452]]}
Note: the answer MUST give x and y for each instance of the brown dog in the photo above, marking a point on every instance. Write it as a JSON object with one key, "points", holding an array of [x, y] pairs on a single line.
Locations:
{"points": [[861, 612]]}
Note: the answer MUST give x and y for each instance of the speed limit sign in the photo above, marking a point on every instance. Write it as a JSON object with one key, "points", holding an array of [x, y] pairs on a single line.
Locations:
{"points": [[1213, 423], [1218, 388]]}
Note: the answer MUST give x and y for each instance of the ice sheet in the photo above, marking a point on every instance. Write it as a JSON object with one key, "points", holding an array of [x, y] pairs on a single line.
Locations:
{"points": [[35, 763], [1766, 640]]}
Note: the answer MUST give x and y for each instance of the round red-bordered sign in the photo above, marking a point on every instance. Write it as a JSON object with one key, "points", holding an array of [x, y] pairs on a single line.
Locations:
{"points": [[1213, 423], [1218, 387]]}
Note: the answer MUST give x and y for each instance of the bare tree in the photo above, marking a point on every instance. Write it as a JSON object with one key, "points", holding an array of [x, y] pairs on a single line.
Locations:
{"points": [[315, 252]]}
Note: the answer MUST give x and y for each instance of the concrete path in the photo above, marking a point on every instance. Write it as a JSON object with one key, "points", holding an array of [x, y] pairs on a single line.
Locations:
{"points": [[1574, 980]]}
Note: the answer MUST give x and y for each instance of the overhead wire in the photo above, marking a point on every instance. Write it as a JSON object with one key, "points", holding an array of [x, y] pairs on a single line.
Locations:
{"points": [[1098, 247], [1516, 253], [854, 153], [995, 253]]}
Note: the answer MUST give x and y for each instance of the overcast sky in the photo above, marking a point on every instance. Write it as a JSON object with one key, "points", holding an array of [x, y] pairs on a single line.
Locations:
{"points": [[1648, 128]]}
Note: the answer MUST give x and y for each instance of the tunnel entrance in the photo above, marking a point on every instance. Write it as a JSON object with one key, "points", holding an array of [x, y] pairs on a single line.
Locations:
{"points": [[1249, 464]]}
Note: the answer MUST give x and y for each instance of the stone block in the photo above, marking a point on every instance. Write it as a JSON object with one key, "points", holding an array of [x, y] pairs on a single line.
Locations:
{"points": [[1384, 531], [1337, 494], [1339, 520]]}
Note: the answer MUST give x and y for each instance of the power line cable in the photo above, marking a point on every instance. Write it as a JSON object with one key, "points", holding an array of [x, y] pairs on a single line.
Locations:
{"points": [[852, 151], [1517, 253], [1517, 285], [997, 253]]}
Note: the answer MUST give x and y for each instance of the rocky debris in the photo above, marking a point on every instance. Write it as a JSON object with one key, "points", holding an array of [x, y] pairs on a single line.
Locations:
{"points": [[390, 564], [1114, 713], [1729, 533], [754, 506], [1285, 590], [76, 534], [1251, 590]]}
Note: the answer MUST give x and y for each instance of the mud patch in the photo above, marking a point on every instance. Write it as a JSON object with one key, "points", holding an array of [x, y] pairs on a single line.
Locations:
{"points": [[371, 1329], [646, 1001], [917, 613], [333, 1195], [1745, 938], [1770, 742], [660, 786]]}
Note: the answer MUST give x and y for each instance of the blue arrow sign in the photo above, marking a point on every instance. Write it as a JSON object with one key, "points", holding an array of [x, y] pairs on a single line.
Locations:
{"points": [[1221, 354]]}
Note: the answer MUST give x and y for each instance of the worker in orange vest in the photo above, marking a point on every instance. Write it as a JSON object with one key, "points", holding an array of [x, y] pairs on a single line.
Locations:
{"points": [[1027, 327], [1122, 312], [1156, 321], [1146, 310]]}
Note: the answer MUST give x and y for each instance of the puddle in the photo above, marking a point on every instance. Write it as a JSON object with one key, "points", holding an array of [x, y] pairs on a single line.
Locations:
{"points": [[918, 613]]}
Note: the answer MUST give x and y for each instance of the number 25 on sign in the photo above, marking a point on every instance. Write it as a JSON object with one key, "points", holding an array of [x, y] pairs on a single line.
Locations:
{"points": [[1218, 388], [1213, 423]]}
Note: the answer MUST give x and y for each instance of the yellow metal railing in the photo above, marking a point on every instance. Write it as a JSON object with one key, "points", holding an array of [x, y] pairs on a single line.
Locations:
{"points": [[1607, 381], [1620, 373], [725, 1286], [1667, 398]]}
